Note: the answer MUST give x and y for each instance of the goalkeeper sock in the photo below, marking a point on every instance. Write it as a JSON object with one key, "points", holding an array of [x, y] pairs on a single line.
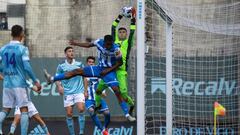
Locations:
{"points": [[97, 99], [130, 101]]}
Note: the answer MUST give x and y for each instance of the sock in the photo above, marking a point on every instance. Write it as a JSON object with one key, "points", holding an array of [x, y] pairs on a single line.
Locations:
{"points": [[124, 107], [24, 123], [106, 120], [130, 101], [45, 129], [81, 120], [59, 77], [97, 99], [3, 115], [12, 129], [70, 125], [96, 120]]}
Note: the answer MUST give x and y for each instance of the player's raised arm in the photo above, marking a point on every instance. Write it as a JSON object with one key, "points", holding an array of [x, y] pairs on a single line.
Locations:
{"points": [[85, 45], [114, 27], [132, 27]]}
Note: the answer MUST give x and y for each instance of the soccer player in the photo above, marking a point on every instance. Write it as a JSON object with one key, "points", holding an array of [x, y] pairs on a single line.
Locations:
{"points": [[72, 90], [32, 113], [90, 85], [14, 58], [110, 58], [120, 38]]}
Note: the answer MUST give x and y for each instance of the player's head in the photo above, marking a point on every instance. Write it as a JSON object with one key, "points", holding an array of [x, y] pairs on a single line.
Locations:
{"points": [[90, 60], [108, 41], [122, 33], [69, 52], [17, 32]]}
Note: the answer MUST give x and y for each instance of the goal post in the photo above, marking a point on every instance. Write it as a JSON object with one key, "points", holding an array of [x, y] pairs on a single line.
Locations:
{"points": [[142, 49], [140, 67]]}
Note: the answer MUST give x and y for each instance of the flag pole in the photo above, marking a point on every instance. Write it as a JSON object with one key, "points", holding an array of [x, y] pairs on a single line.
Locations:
{"points": [[215, 122]]}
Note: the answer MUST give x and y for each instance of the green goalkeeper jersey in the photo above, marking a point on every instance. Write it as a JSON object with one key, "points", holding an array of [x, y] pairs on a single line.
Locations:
{"points": [[125, 45]]}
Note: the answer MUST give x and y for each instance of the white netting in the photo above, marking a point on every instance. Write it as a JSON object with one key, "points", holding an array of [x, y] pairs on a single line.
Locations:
{"points": [[206, 46]]}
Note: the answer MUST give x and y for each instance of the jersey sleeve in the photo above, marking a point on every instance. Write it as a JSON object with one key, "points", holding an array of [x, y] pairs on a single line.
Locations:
{"points": [[25, 54], [132, 30], [30, 85], [96, 42], [114, 27], [59, 70], [1, 55], [80, 65]]}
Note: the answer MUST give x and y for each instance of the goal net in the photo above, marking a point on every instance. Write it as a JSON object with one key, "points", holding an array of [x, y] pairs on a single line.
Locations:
{"points": [[205, 66]]}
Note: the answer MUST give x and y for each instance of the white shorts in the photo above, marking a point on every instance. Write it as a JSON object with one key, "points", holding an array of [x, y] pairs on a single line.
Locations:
{"points": [[15, 97], [31, 110], [70, 100]]}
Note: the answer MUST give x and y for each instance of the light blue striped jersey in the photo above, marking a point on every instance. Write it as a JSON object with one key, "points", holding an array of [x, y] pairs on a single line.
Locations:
{"points": [[106, 58], [12, 56], [92, 86], [73, 85]]}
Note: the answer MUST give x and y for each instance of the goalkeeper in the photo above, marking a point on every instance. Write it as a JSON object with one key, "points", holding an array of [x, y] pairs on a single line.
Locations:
{"points": [[120, 38]]}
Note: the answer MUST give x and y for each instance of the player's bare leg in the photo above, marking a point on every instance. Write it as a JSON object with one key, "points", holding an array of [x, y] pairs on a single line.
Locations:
{"points": [[38, 118]]}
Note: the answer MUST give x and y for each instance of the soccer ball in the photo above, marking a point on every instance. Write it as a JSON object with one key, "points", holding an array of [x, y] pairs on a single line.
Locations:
{"points": [[127, 11]]}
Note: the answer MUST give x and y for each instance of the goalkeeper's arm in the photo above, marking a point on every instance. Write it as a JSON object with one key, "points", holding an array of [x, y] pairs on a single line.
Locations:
{"points": [[132, 30], [114, 27]]}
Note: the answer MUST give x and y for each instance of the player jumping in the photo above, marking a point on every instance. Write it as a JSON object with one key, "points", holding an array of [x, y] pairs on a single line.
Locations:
{"points": [[110, 58], [72, 90], [120, 38]]}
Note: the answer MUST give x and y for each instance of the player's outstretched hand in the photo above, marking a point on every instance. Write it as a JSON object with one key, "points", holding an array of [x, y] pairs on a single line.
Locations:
{"points": [[35, 88], [38, 85], [73, 42], [134, 12]]}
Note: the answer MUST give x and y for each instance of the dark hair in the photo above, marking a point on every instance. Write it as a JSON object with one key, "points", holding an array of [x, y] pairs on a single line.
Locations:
{"points": [[108, 38], [16, 30], [90, 57], [69, 47], [122, 28]]}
